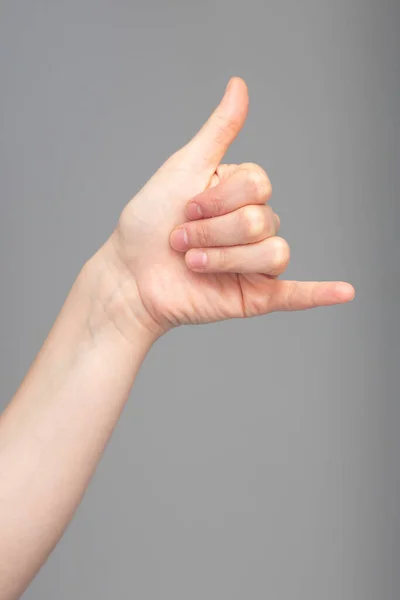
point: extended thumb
(207, 148)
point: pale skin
(197, 244)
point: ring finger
(270, 256)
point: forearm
(53, 432)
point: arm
(55, 429)
(197, 244)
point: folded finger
(246, 225)
(249, 184)
(270, 256)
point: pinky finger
(300, 295)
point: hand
(198, 243)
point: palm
(168, 289)
(185, 297)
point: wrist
(115, 305)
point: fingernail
(193, 210)
(196, 260)
(277, 221)
(179, 239)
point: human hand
(198, 243)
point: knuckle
(267, 189)
(281, 253)
(270, 222)
(254, 221)
(259, 181)
(276, 222)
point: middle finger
(246, 225)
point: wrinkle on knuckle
(222, 259)
(217, 204)
(313, 296)
(290, 295)
(202, 236)
(225, 127)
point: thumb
(207, 148)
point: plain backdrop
(259, 458)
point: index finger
(247, 185)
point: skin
(197, 244)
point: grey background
(255, 459)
